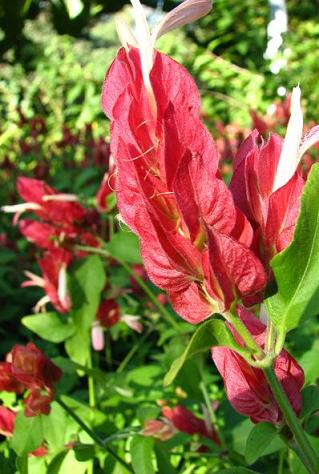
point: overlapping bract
(272, 213)
(195, 242)
(247, 388)
(27, 368)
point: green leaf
(141, 449)
(309, 363)
(28, 434)
(50, 326)
(258, 439)
(54, 427)
(212, 332)
(84, 452)
(310, 400)
(237, 470)
(124, 246)
(22, 464)
(90, 280)
(163, 462)
(296, 268)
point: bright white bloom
(144, 39)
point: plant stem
(133, 350)
(305, 450)
(211, 412)
(245, 335)
(92, 400)
(93, 435)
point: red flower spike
(247, 388)
(42, 234)
(184, 420)
(273, 212)
(161, 150)
(47, 203)
(54, 265)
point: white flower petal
(289, 157)
(187, 12)
(124, 33)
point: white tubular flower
(144, 40)
(290, 156)
(63, 292)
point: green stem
(245, 335)
(305, 450)
(133, 351)
(211, 412)
(93, 435)
(166, 315)
(270, 337)
(92, 399)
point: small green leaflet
(296, 269)
(212, 332)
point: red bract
(38, 402)
(32, 368)
(108, 313)
(184, 420)
(274, 213)
(42, 234)
(47, 203)
(54, 265)
(28, 368)
(7, 382)
(195, 243)
(247, 388)
(104, 191)
(7, 419)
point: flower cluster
(247, 388)
(109, 314)
(27, 368)
(208, 245)
(62, 223)
(180, 419)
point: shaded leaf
(212, 332)
(258, 440)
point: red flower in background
(247, 388)
(184, 420)
(8, 383)
(27, 368)
(54, 266)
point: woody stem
(305, 450)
